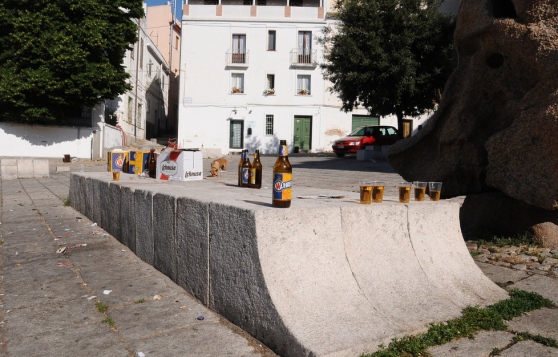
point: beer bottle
(246, 168)
(240, 168)
(256, 171)
(282, 178)
(152, 164)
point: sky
(162, 2)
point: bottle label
(282, 186)
(253, 176)
(245, 175)
(283, 150)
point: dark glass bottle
(256, 171)
(282, 178)
(152, 164)
(246, 168)
(240, 167)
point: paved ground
(53, 303)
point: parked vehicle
(363, 136)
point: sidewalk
(51, 301)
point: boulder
(496, 128)
(546, 235)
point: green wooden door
(303, 132)
(362, 120)
(236, 138)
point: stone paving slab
(94, 339)
(502, 276)
(543, 285)
(482, 345)
(529, 349)
(204, 338)
(542, 322)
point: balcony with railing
(259, 9)
(304, 58)
(237, 58)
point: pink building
(165, 31)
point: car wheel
(340, 154)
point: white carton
(180, 165)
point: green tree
(58, 56)
(390, 56)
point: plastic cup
(365, 192)
(435, 190)
(404, 192)
(116, 175)
(378, 191)
(420, 190)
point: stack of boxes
(118, 160)
(138, 161)
(179, 165)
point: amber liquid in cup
(420, 193)
(377, 194)
(116, 175)
(435, 195)
(404, 194)
(365, 194)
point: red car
(363, 136)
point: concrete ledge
(12, 169)
(8, 169)
(323, 278)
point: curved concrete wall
(323, 278)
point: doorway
(303, 132)
(236, 138)
(407, 127)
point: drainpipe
(170, 69)
(136, 89)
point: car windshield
(358, 131)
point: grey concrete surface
(47, 312)
(481, 346)
(14, 168)
(529, 349)
(541, 322)
(49, 299)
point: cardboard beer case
(180, 165)
(117, 160)
(138, 161)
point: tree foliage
(390, 56)
(58, 56)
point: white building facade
(142, 112)
(250, 77)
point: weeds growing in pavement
(518, 240)
(495, 352)
(474, 319)
(522, 336)
(66, 201)
(140, 301)
(101, 307)
(109, 321)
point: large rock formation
(497, 125)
